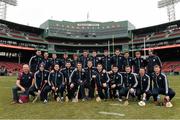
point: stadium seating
(32, 36)
(158, 35)
(140, 38)
(16, 34)
(12, 67)
(21, 35)
(171, 66)
(2, 33)
(175, 33)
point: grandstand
(18, 42)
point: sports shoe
(74, 100)
(66, 99)
(45, 101)
(83, 99)
(62, 98)
(14, 102)
(120, 100)
(58, 99)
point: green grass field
(84, 110)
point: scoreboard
(87, 29)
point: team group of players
(84, 77)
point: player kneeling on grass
(56, 84)
(161, 86)
(78, 81)
(102, 81)
(40, 81)
(143, 87)
(116, 83)
(23, 83)
(129, 84)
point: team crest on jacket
(144, 79)
(59, 75)
(154, 60)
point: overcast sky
(141, 13)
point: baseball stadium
(19, 44)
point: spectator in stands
(35, 61)
(3, 71)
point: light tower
(3, 7)
(170, 4)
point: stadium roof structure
(22, 27)
(156, 28)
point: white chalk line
(116, 104)
(112, 113)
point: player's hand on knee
(131, 90)
(56, 88)
(39, 92)
(71, 85)
(23, 89)
(104, 85)
(53, 88)
(113, 86)
(167, 98)
(93, 76)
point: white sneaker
(58, 99)
(74, 100)
(62, 98)
(45, 101)
(120, 100)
